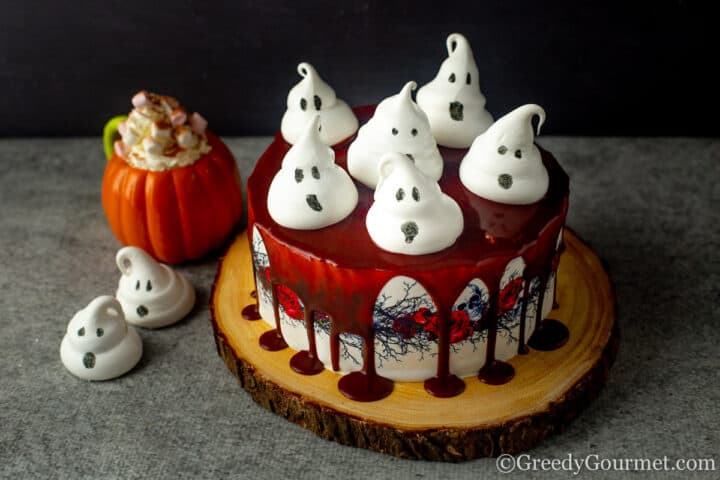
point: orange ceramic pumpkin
(177, 214)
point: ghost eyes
(317, 101)
(413, 132)
(148, 286)
(502, 150)
(300, 175)
(468, 78)
(99, 332)
(137, 285)
(400, 194)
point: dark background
(599, 68)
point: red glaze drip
(494, 372)
(340, 271)
(306, 361)
(251, 312)
(549, 335)
(522, 348)
(253, 294)
(273, 340)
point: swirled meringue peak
(398, 125)
(503, 164)
(312, 97)
(310, 191)
(410, 214)
(453, 101)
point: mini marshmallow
(152, 294)
(398, 125)
(310, 191)
(120, 149)
(410, 214)
(311, 97)
(185, 137)
(140, 99)
(503, 164)
(152, 147)
(98, 344)
(453, 101)
(161, 132)
(198, 123)
(178, 116)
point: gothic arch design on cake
(509, 309)
(468, 329)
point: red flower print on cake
(509, 294)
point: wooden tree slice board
(548, 391)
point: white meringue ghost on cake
(410, 214)
(152, 294)
(503, 164)
(398, 125)
(311, 97)
(310, 191)
(453, 101)
(98, 344)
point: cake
(437, 265)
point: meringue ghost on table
(311, 97)
(98, 344)
(310, 191)
(503, 164)
(398, 125)
(410, 214)
(152, 294)
(453, 101)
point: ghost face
(152, 295)
(309, 197)
(98, 344)
(452, 100)
(91, 334)
(411, 215)
(143, 280)
(311, 97)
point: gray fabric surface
(649, 207)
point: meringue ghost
(310, 191)
(398, 125)
(311, 97)
(98, 344)
(503, 164)
(453, 101)
(410, 214)
(152, 294)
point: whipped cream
(159, 135)
(312, 97)
(398, 125)
(503, 164)
(310, 191)
(410, 214)
(453, 101)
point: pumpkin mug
(175, 213)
